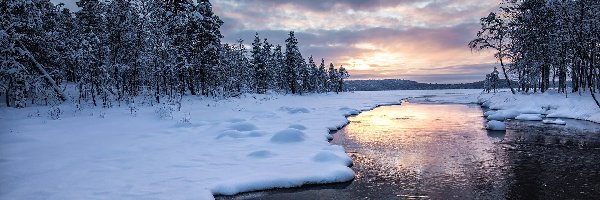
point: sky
(421, 40)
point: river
(442, 151)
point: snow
(502, 115)
(529, 117)
(495, 125)
(212, 147)
(207, 148)
(556, 121)
(294, 110)
(551, 104)
(288, 136)
(261, 154)
(297, 126)
(488, 113)
(243, 126)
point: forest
(541, 42)
(400, 84)
(153, 51)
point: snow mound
(502, 115)
(327, 156)
(488, 113)
(529, 117)
(243, 126)
(292, 110)
(289, 135)
(239, 134)
(261, 154)
(495, 125)
(256, 133)
(297, 126)
(557, 121)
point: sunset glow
(421, 40)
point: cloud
(373, 39)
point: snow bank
(502, 115)
(529, 117)
(224, 147)
(551, 104)
(556, 121)
(495, 125)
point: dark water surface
(429, 151)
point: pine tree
(342, 74)
(333, 78)
(310, 76)
(293, 62)
(279, 75)
(260, 69)
(210, 45)
(322, 77)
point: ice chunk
(289, 135)
(557, 121)
(495, 125)
(529, 117)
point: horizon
(420, 40)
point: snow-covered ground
(209, 147)
(535, 106)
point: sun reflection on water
(415, 143)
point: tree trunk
(506, 77)
(47, 76)
(8, 88)
(594, 97)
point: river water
(442, 151)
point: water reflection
(427, 151)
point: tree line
(541, 42)
(115, 52)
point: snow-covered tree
(493, 36)
(152, 51)
(260, 68)
(542, 40)
(31, 51)
(293, 62)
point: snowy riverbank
(209, 147)
(550, 104)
